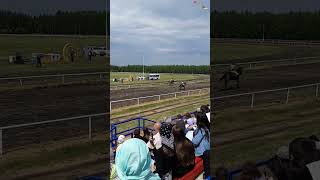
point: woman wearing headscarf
(133, 161)
(164, 157)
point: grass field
(164, 77)
(304, 114)
(232, 52)
(165, 107)
(51, 156)
(26, 45)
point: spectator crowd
(168, 151)
(299, 160)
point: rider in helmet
(233, 69)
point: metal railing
(138, 99)
(266, 41)
(288, 90)
(128, 132)
(62, 76)
(255, 63)
(2, 129)
(136, 85)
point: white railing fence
(287, 91)
(159, 97)
(89, 117)
(253, 64)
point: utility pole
(143, 66)
(263, 32)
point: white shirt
(314, 169)
(157, 142)
(208, 116)
(189, 135)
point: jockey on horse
(233, 70)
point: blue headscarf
(133, 161)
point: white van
(154, 76)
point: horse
(231, 76)
(182, 86)
(171, 82)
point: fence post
(175, 95)
(20, 82)
(250, 67)
(100, 76)
(317, 90)
(188, 93)
(288, 93)
(200, 91)
(143, 122)
(139, 118)
(138, 99)
(159, 97)
(90, 129)
(115, 136)
(62, 77)
(252, 100)
(110, 106)
(1, 144)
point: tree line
(288, 26)
(201, 69)
(62, 22)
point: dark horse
(182, 86)
(232, 76)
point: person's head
(203, 123)
(184, 149)
(166, 135)
(202, 120)
(188, 115)
(204, 109)
(179, 116)
(133, 161)
(314, 138)
(136, 133)
(222, 173)
(178, 133)
(121, 139)
(250, 170)
(146, 132)
(157, 127)
(181, 124)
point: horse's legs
(225, 83)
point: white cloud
(151, 26)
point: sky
(266, 5)
(36, 7)
(160, 32)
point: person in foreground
(201, 141)
(133, 161)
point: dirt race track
(67, 101)
(271, 78)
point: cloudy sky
(51, 6)
(164, 32)
(267, 5)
